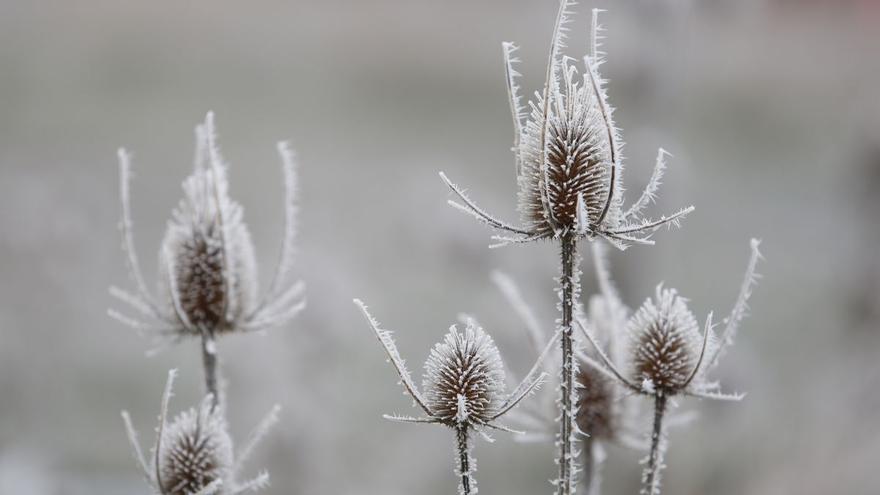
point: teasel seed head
(193, 454)
(464, 377)
(207, 267)
(196, 450)
(597, 411)
(666, 343)
(567, 151)
(210, 277)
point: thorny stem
(652, 475)
(467, 485)
(568, 395)
(209, 362)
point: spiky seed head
(196, 450)
(666, 343)
(208, 248)
(595, 414)
(464, 377)
(575, 183)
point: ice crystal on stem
(207, 269)
(193, 454)
(669, 357)
(463, 388)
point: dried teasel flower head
(464, 377)
(597, 408)
(668, 355)
(208, 272)
(666, 343)
(193, 454)
(207, 255)
(568, 155)
(196, 450)
(464, 384)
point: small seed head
(666, 343)
(195, 451)
(464, 377)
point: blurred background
(770, 108)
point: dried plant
(208, 272)
(568, 167)
(463, 388)
(193, 455)
(668, 357)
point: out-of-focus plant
(207, 268)
(193, 455)
(207, 287)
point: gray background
(771, 111)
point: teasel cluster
(207, 287)
(668, 357)
(569, 167)
(464, 388)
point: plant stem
(655, 461)
(568, 394)
(209, 362)
(467, 485)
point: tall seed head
(464, 378)
(666, 343)
(576, 172)
(208, 250)
(196, 450)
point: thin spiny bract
(207, 268)
(463, 388)
(668, 357)
(568, 167)
(193, 454)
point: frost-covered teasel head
(567, 151)
(464, 378)
(207, 269)
(193, 453)
(464, 383)
(668, 354)
(666, 343)
(463, 387)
